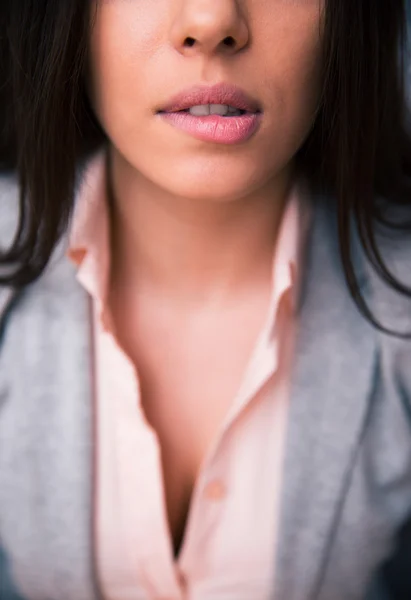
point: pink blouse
(229, 546)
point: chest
(189, 380)
(345, 501)
(190, 366)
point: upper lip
(221, 93)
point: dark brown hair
(359, 148)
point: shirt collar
(89, 247)
(89, 242)
(288, 253)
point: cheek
(118, 53)
(305, 70)
(293, 75)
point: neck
(192, 250)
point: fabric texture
(346, 490)
(234, 498)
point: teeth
(204, 110)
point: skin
(194, 224)
(208, 204)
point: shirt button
(215, 490)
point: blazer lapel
(331, 383)
(46, 472)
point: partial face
(144, 52)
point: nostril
(228, 41)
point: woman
(205, 370)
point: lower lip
(214, 128)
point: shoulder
(389, 304)
(59, 274)
(390, 308)
(9, 208)
(52, 292)
(9, 217)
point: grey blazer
(347, 470)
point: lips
(221, 93)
